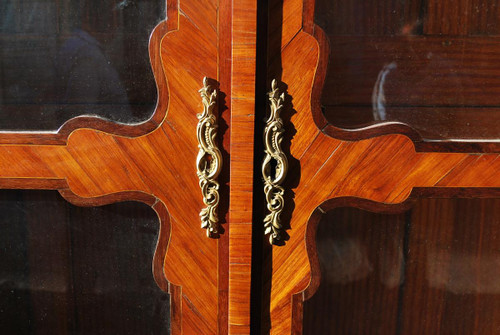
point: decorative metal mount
(209, 160)
(273, 135)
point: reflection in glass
(73, 270)
(431, 270)
(429, 64)
(64, 58)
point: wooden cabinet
(390, 131)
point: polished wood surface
(429, 270)
(383, 169)
(244, 41)
(93, 162)
(225, 65)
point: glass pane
(73, 270)
(432, 270)
(64, 58)
(430, 64)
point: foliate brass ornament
(273, 136)
(209, 160)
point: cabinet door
(392, 105)
(60, 59)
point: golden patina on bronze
(273, 178)
(209, 160)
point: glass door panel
(64, 58)
(431, 270)
(429, 64)
(73, 270)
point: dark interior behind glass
(64, 58)
(74, 270)
(434, 269)
(430, 64)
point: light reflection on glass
(61, 59)
(431, 270)
(429, 65)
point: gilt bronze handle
(209, 160)
(273, 178)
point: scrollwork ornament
(273, 136)
(209, 160)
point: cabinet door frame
(376, 167)
(93, 162)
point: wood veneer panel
(152, 162)
(448, 17)
(358, 17)
(433, 17)
(225, 107)
(456, 241)
(354, 165)
(485, 18)
(244, 48)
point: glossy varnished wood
(378, 167)
(92, 162)
(244, 43)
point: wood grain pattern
(93, 162)
(462, 247)
(383, 169)
(359, 17)
(466, 123)
(225, 65)
(244, 43)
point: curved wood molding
(95, 162)
(356, 164)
